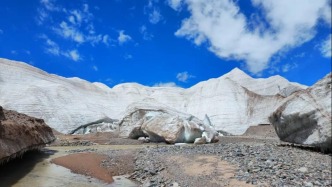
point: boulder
(163, 124)
(305, 116)
(201, 140)
(144, 139)
(20, 133)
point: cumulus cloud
(165, 84)
(325, 47)
(229, 34)
(123, 38)
(184, 76)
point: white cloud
(153, 12)
(73, 54)
(94, 39)
(42, 16)
(86, 8)
(144, 32)
(77, 16)
(106, 39)
(175, 4)
(72, 19)
(123, 38)
(69, 32)
(325, 47)
(184, 76)
(287, 67)
(165, 84)
(51, 47)
(77, 27)
(49, 5)
(230, 35)
(54, 49)
(155, 16)
(326, 13)
(95, 68)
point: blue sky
(171, 42)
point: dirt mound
(261, 131)
(20, 133)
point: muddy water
(35, 170)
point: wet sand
(89, 164)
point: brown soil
(203, 165)
(262, 131)
(89, 164)
(102, 138)
(20, 133)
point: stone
(201, 140)
(144, 140)
(303, 169)
(308, 184)
(175, 184)
(180, 144)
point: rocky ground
(254, 159)
(258, 164)
(234, 161)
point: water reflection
(35, 170)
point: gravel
(259, 164)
